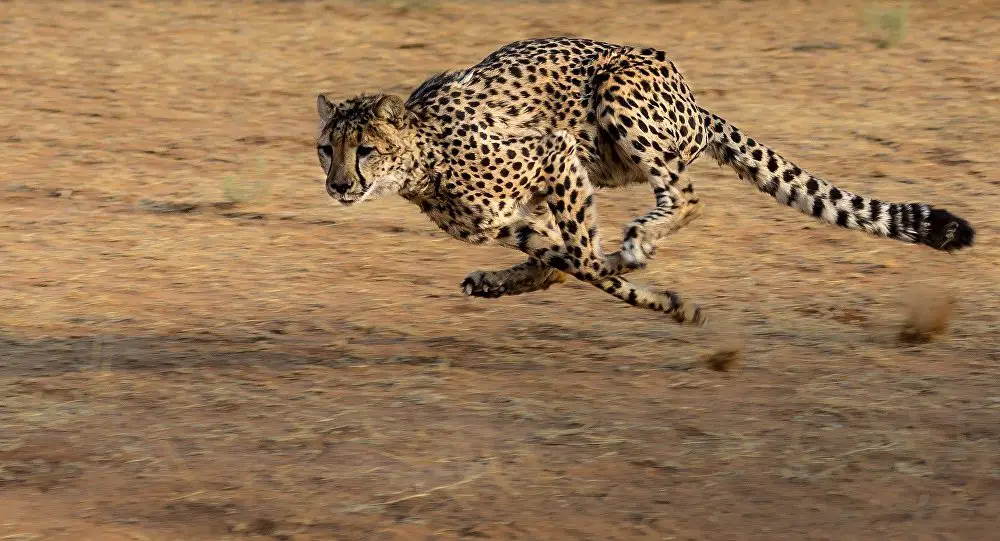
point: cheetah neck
(417, 169)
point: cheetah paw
(693, 315)
(483, 284)
(686, 312)
(636, 254)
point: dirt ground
(196, 343)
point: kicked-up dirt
(196, 343)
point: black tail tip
(947, 232)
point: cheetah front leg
(566, 237)
(532, 275)
(531, 235)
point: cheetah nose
(335, 186)
(339, 188)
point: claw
(476, 285)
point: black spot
(772, 164)
(818, 207)
(728, 155)
(812, 186)
(835, 194)
(523, 234)
(559, 263)
(842, 218)
(632, 298)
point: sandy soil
(196, 343)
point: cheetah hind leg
(677, 205)
(525, 277)
(666, 301)
(642, 235)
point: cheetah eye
(327, 150)
(364, 151)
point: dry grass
(195, 344)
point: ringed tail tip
(947, 232)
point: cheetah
(510, 151)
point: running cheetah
(509, 151)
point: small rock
(262, 526)
(724, 359)
(166, 207)
(806, 47)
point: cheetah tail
(772, 174)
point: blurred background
(197, 343)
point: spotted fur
(509, 152)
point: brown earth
(198, 344)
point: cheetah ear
(324, 107)
(391, 108)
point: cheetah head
(363, 146)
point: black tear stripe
(357, 167)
